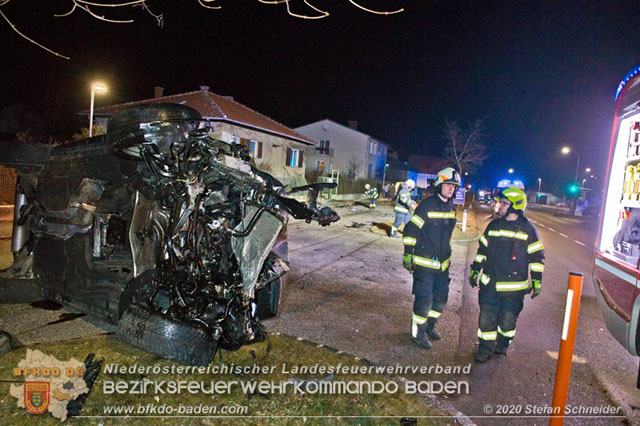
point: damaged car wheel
(124, 130)
(155, 333)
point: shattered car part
(162, 226)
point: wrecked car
(163, 226)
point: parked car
(162, 226)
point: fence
(8, 180)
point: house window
(294, 157)
(323, 148)
(319, 165)
(372, 148)
(254, 148)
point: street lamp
(583, 181)
(510, 170)
(539, 183)
(94, 87)
(587, 170)
(566, 150)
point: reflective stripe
(512, 286)
(536, 267)
(507, 333)
(401, 209)
(417, 220)
(480, 258)
(484, 241)
(487, 335)
(484, 279)
(508, 234)
(418, 319)
(408, 241)
(441, 215)
(427, 263)
(431, 263)
(434, 314)
(445, 265)
(535, 247)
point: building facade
(356, 154)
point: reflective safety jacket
(403, 204)
(428, 235)
(507, 252)
(370, 193)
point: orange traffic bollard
(565, 354)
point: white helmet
(410, 184)
(367, 186)
(448, 175)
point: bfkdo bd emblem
(36, 397)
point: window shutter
(259, 149)
(300, 158)
(288, 162)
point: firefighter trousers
(497, 321)
(400, 219)
(431, 295)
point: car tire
(123, 128)
(178, 341)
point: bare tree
(95, 10)
(465, 148)
(354, 165)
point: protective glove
(473, 278)
(536, 288)
(407, 262)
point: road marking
(578, 242)
(563, 235)
(576, 358)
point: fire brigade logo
(36, 397)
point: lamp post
(94, 87)
(384, 175)
(566, 150)
(539, 183)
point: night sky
(542, 74)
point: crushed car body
(162, 226)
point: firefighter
(372, 194)
(509, 250)
(403, 206)
(427, 252)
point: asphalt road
(603, 373)
(348, 290)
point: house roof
(218, 108)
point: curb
(456, 414)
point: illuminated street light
(510, 170)
(587, 170)
(94, 87)
(539, 183)
(566, 150)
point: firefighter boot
(420, 338)
(431, 331)
(482, 357)
(501, 350)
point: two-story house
(275, 148)
(356, 154)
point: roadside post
(464, 220)
(567, 343)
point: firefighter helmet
(367, 187)
(516, 196)
(448, 175)
(410, 183)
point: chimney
(205, 89)
(158, 92)
(353, 124)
